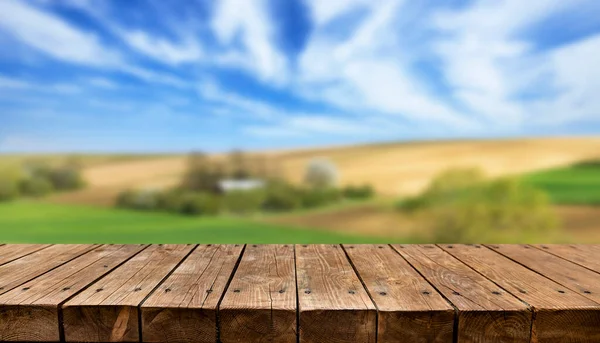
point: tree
(239, 165)
(202, 174)
(9, 183)
(462, 207)
(321, 173)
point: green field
(578, 184)
(38, 222)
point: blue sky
(91, 76)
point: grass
(37, 222)
(577, 184)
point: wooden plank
(571, 276)
(12, 252)
(486, 312)
(26, 268)
(36, 303)
(260, 303)
(586, 255)
(107, 311)
(409, 309)
(184, 307)
(333, 304)
(557, 315)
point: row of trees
(37, 180)
(199, 191)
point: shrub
(281, 197)
(66, 178)
(444, 187)
(9, 183)
(462, 208)
(244, 201)
(199, 204)
(312, 198)
(321, 173)
(36, 186)
(454, 180)
(125, 199)
(170, 201)
(358, 192)
(138, 200)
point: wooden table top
(300, 293)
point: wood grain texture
(409, 309)
(260, 303)
(571, 276)
(486, 312)
(28, 267)
(586, 255)
(36, 303)
(12, 252)
(559, 317)
(184, 307)
(107, 311)
(333, 304)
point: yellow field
(393, 169)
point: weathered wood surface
(35, 304)
(302, 293)
(184, 307)
(332, 303)
(12, 252)
(573, 277)
(555, 312)
(410, 310)
(260, 303)
(107, 311)
(486, 312)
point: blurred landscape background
(446, 191)
(301, 121)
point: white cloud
(211, 91)
(250, 21)
(324, 11)
(367, 72)
(54, 37)
(14, 84)
(162, 49)
(102, 82)
(487, 67)
(10, 83)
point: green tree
(9, 183)
(202, 175)
(461, 207)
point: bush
(358, 192)
(36, 186)
(321, 174)
(312, 198)
(138, 200)
(281, 197)
(170, 201)
(200, 204)
(242, 202)
(66, 178)
(464, 209)
(9, 184)
(444, 187)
